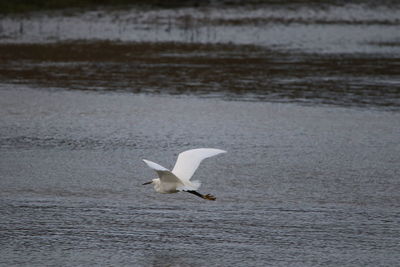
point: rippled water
(310, 120)
(298, 186)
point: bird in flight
(179, 178)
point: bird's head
(156, 182)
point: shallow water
(311, 177)
(299, 185)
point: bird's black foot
(208, 196)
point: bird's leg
(208, 196)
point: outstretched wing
(165, 175)
(188, 161)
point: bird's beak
(147, 183)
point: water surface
(304, 97)
(299, 185)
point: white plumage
(179, 178)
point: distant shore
(26, 6)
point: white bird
(179, 178)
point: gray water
(311, 177)
(299, 185)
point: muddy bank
(23, 6)
(217, 70)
